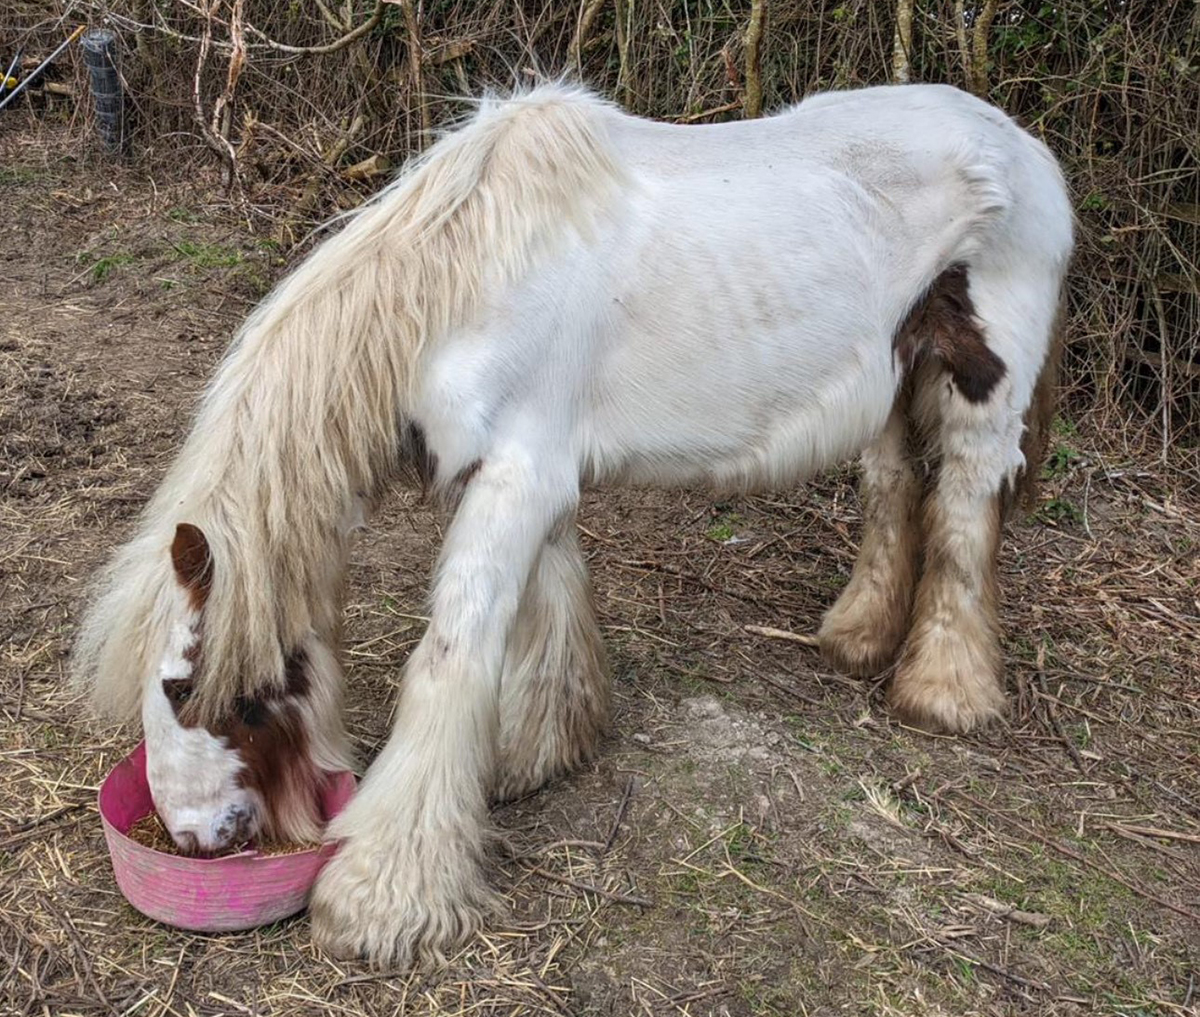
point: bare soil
(758, 835)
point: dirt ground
(758, 835)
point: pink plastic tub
(239, 891)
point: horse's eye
(252, 711)
(178, 690)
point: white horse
(560, 295)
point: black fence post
(100, 56)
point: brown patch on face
(943, 325)
(193, 563)
(268, 733)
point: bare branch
(623, 29)
(960, 33)
(754, 34)
(587, 14)
(979, 57)
(412, 22)
(332, 47)
(223, 107)
(902, 43)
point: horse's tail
(1039, 417)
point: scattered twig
(554, 845)
(792, 693)
(1151, 831)
(618, 898)
(995, 969)
(791, 637)
(1116, 877)
(21, 832)
(618, 819)
(1010, 913)
(81, 951)
(1052, 713)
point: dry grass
(758, 837)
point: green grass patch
(103, 266)
(208, 255)
(14, 176)
(724, 527)
(1061, 510)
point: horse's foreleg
(407, 883)
(554, 696)
(862, 632)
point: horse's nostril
(242, 824)
(188, 842)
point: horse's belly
(753, 414)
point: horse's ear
(193, 562)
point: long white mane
(306, 414)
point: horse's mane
(307, 411)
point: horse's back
(911, 147)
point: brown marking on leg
(950, 676)
(862, 632)
(943, 325)
(452, 494)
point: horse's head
(256, 769)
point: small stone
(641, 739)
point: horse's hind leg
(990, 338)
(554, 694)
(862, 632)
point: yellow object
(8, 83)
